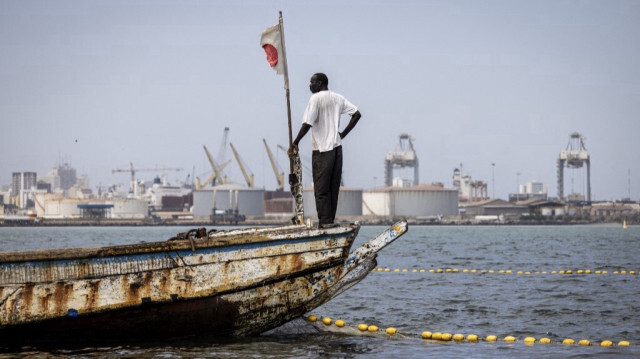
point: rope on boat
(295, 182)
(363, 329)
(191, 235)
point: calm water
(558, 306)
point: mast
(295, 175)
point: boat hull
(236, 283)
(246, 312)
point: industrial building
(349, 202)
(248, 201)
(54, 206)
(415, 201)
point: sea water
(494, 280)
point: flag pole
(286, 83)
(295, 174)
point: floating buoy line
(340, 326)
(505, 271)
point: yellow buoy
(391, 331)
(363, 327)
(436, 336)
(465, 271)
(312, 318)
(545, 341)
(458, 337)
(414, 271)
(472, 338)
(372, 328)
(439, 270)
(568, 341)
(380, 269)
(606, 343)
(405, 270)
(569, 271)
(474, 271)
(387, 270)
(509, 271)
(446, 336)
(509, 339)
(623, 343)
(456, 270)
(584, 342)
(491, 338)
(426, 335)
(448, 270)
(326, 321)
(340, 323)
(529, 340)
(422, 271)
(396, 270)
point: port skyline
(476, 84)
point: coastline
(365, 221)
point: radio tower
(574, 157)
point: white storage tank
(349, 202)
(61, 208)
(248, 201)
(414, 201)
(129, 208)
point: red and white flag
(272, 43)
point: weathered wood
(232, 283)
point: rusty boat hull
(238, 282)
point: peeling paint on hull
(239, 282)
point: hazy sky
(104, 83)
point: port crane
(133, 171)
(249, 178)
(279, 174)
(404, 156)
(217, 171)
(575, 156)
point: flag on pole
(271, 42)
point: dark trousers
(327, 172)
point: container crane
(248, 178)
(133, 171)
(279, 175)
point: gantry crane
(247, 177)
(404, 156)
(133, 171)
(279, 175)
(574, 157)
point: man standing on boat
(323, 116)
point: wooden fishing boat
(237, 282)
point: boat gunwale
(215, 239)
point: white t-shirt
(323, 114)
